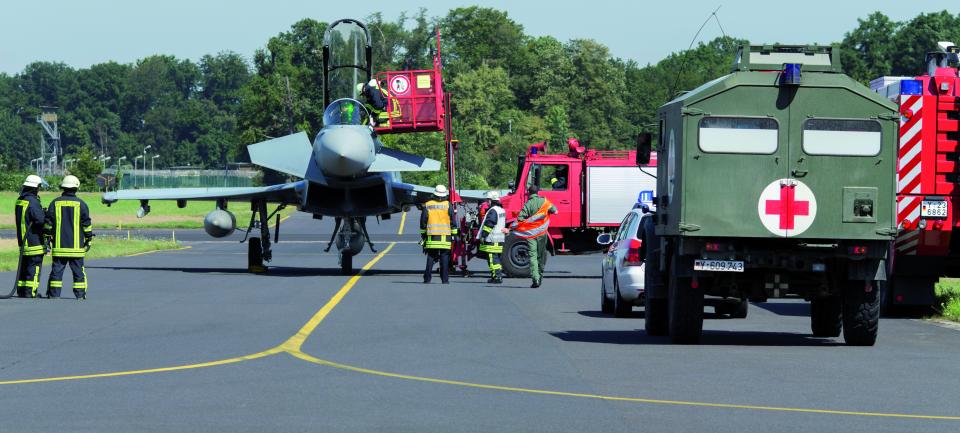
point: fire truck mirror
(644, 147)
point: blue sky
(84, 32)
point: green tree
(86, 168)
(919, 36)
(867, 51)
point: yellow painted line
(157, 251)
(291, 345)
(265, 353)
(309, 358)
(294, 343)
(403, 219)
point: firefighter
(491, 236)
(376, 101)
(68, 226)
(532, 224)
(436, 230)
(29, 218)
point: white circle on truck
(787, 207)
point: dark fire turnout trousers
(433, 256)
(29, 279)
(56, 277)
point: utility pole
(152, 168)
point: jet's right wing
(394, 160)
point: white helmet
(493, 195)
(373, 83)
(33, 181)
(70, 181)
(441, 191)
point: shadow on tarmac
(795, 309)
(709, 338)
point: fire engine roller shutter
(612, 192)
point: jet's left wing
(282, 193)
(408, 193)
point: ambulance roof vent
(813, 58)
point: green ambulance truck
(776, 180)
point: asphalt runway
(187, 341)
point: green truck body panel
(741, 155)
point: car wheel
(620, 308)
(606, 304)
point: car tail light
(633, 254)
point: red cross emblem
(787, 207)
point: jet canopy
(347, 56)
(346, 112)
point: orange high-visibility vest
(537, 224)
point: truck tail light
(633, 254)
(713, 246)
(858, 250)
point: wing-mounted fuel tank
(220, 223)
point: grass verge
(948, 298)
(123, 214)
(103, 247)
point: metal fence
(143, 179)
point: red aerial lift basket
(415, 99)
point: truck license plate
(933, 209)
(718, 265)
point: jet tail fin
(290, 154)
(395, 160)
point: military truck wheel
(516, 257)
(346, 264)
(606, 305)
(861, 313)
(656, 318)
(620, 308)
(686, 308)
(739, 310)
(825, 317)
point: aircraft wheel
(346, 264)
(255, 256)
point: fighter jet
(346, 173)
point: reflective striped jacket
(436, 231)
(534, 218)
(68, 225)
(29, 218)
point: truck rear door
(728, 161)
(843, 175)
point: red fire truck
(928, 181)
(592, 190)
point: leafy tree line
(509, 89)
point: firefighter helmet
(441, 191)
(33, 181)
(493, 195)
(70, 181)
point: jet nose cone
(345, 151)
